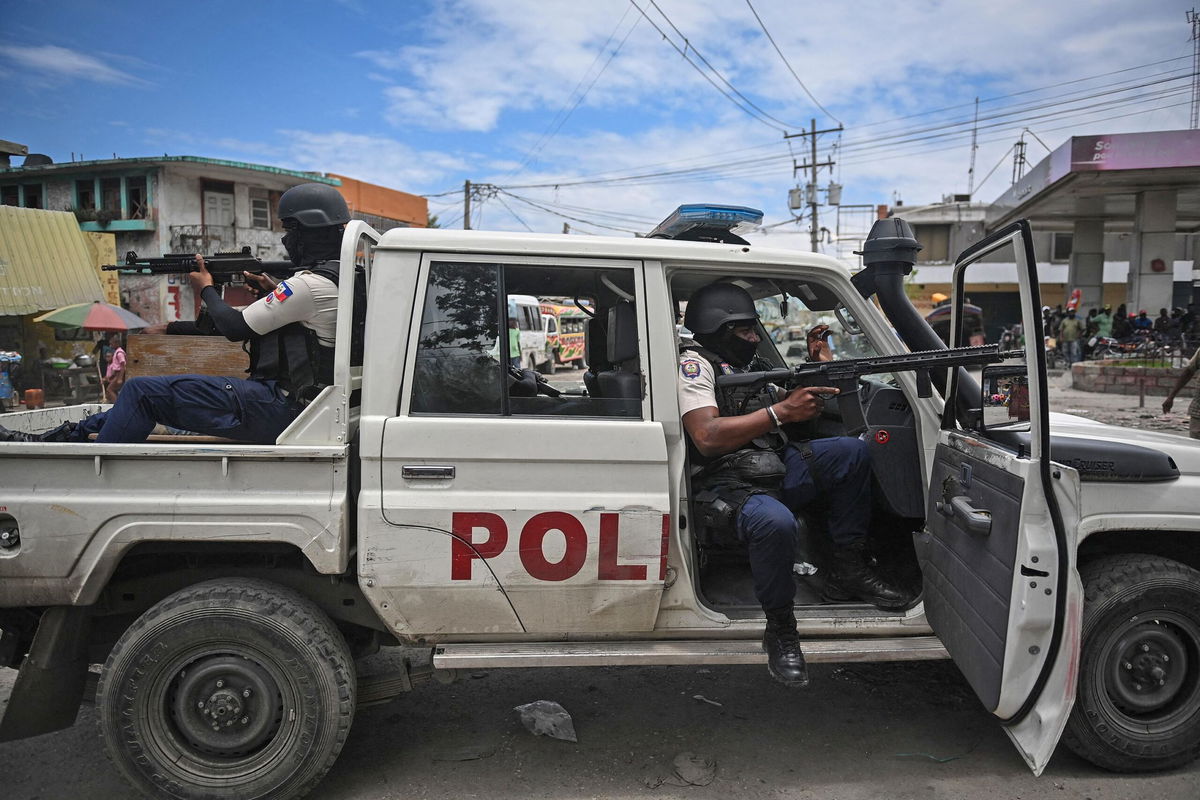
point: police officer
(290, 331)
(751, 474)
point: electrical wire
(515, 214)
(749, 108)
(1018, 94)
(540, 207)
(787, 64)
(557, 123)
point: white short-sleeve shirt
(697, 383)
(306, 297)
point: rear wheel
(1137, 707)
(229, 688)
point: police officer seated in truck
(751, 479)
(290, 331)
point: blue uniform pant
(768, 526)
(246, 410)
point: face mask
(736, 349)
(291, 243)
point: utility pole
(1019, 159)
(466, 205)
(974, 147)
(1194, 19)
(811, 189)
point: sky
(600, 114)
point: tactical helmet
(314, 205)
(715, 305)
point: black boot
(59, 434)
(781, 640)
(852, 577)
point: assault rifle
(844, 374)
(225, 267)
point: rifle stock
(844, 374)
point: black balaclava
(308, 246)
(728, 345)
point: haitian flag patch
(282, 291)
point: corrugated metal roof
(44, 262)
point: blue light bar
(734, 219)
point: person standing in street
(1104, 322)
(1069, 332)
(1189, 372)
(114, 375)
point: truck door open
(997, 551)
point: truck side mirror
(1005, 400)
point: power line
(1018, 94)
(515, 214)
(540, 207)
(748, 108)
(556, 124)
(787, 64)
(1037, 106)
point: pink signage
(1154, 150)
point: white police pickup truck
(431, 499)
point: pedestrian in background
(1189, 371)
(1069, 332)
(114, 374)
(1104, 322)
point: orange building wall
(368, 198)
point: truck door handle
(426, 472)
(973, 519)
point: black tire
(260, 662)
(1137, 707)
(551, 364)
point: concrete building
(186, 204)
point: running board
(660, 653)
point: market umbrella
(96, 316)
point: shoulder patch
(282, 291)
(726, 368)
(690, 369)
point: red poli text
(467, 545)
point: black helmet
(314, 205)
(715, 305)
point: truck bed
(81, 506)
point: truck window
(471, 360)
(457, 369)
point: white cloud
(376, 159)
(60, 63)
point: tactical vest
(293, 356)
(734, 401)
(723, 484)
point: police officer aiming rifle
(290, 331)
(750, 478)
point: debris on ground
(704, 699)
(547, 718)
(694, 770)
(468, 753)
(687, 769)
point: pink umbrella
(95, 316)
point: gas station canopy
(1100, 177)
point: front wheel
(1137, 707)
(229, 688)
